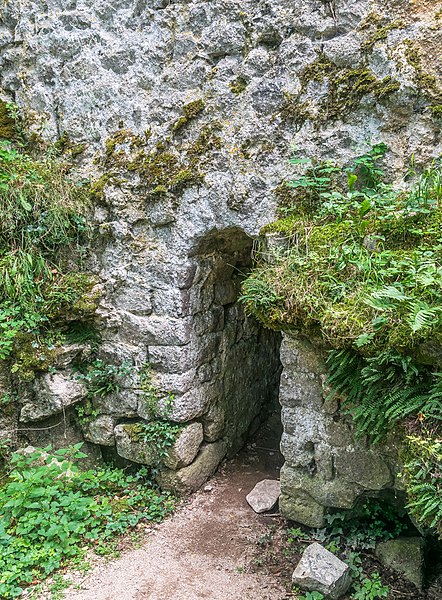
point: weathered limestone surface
(54, 392)
(264, 495)
(321, 571)
(404, 555)
(174, 241)
(186, 447)
(191, 478)
(325, 466)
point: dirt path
(203, 551)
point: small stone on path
(321, 571)
(264, 495)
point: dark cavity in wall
(238, 360)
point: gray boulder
(186, 447)
(192, 477)
(54, 393)
(100, 430)
(404, 555)
(321, 571)
(132, 446)
(264, 495)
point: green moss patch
(351, 267)
(167, 167)
(43, 235)
(344, 92)
(8, 127)
(238, 86)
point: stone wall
(325, 466)
(188, 110)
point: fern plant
(383, 390)
(423, 480)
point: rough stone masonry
(189, 110)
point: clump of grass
(364, 259)
(43, 236)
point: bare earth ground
(204, 550)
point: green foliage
(161, 435)
(43, 232)
(49, 511)
(101, 378)
(363, 262)
(383, 390)
(156, 402)
(86, 412)
(371, 588)
(312, 596)
(423, 480)
(360, 529)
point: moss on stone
(166, 167)
(97, 187)
(286, 195)
(238, 85)
(206, 142)
(8, 126)
(380, 34)
(295, 110)
(191, 111)
(285, 226)
(318, 70)
(65, 145)
(31, 356)
(345, 89)
(436, 110)
(425, 82)
(194, 108)
(180, 123)
(134, 431)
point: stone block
(54, 392)
(264, 495)
(301, 507)
(306, 424)
(100, 430)
(321, 571)
(185, 447)
(123, 404)
(185, 407)
(300, 389)
(192, 477)
(366, 468)
(130, 444)
(171, 359)
(303, 492)
(405, 556)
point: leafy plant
(156, 402)
(361, 529)
(86, 412)
(43, 237)
(49, 511)
(102, 378)
(312, 596)
(161, 435)
(384, 389)
(423, 479)
(371, 588)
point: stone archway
(238, 358)
(234, 361)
